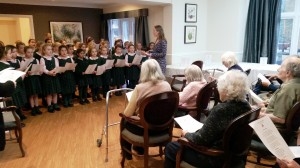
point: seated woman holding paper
(287, 95)
(232, 87)
(195, 81)
(152, 81)
(229, 60)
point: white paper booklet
(60, 69)
(10, 75)
(109, 63)
(263, 78)
(120, 63)
(269, 135)
(255, 98)
(100, 70)
(295, 150)
(36, 69)
(137, 60)
(24, 65)
(70, 66)
(188, 123)
(90, 69)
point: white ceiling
(88, 3)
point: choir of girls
(49, 85)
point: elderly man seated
(287, 95)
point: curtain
(142, 30)
(262, 29)
(121, 15)
(104, 29)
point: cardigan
(188, 96)
(221, 115)
(142, 91)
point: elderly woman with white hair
(232, 87)
(195, 81)
(152, 81)
(229, 60)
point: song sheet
(90, 69)
(70, 66)
(255, 97)
(100, 70)
(109, 64)
(263, 79)
(188, 123)
(137, 60)
(295, 150)
(60, 69)
(120, 63)
(269, 135)
(36, 69)
(24, 65)
(10, 75)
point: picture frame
(190, 34)
(68, 31)
(190, 13)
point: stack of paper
(188, 123)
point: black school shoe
(33, 111)
(82, 102)
(87, 101)
(56, 107)
(38, 111)
(50, 109)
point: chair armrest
(179, 75)
(183, 108)
(132, 119)
(10, 108)
(4, 99)
(201, 149)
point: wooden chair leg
(16, 134)
(123, 161)
(160, 151)
(19, 139)
(146, 156)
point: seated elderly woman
(232, 87)
(229, 60)
(152, 81)
(195, 81)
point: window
(121, 29)
(289, 31)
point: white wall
(180, 53)
(226, 27)
(220, 27)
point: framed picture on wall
(190, 13)
(190, 34)
(68, 31)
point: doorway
(16, 27)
